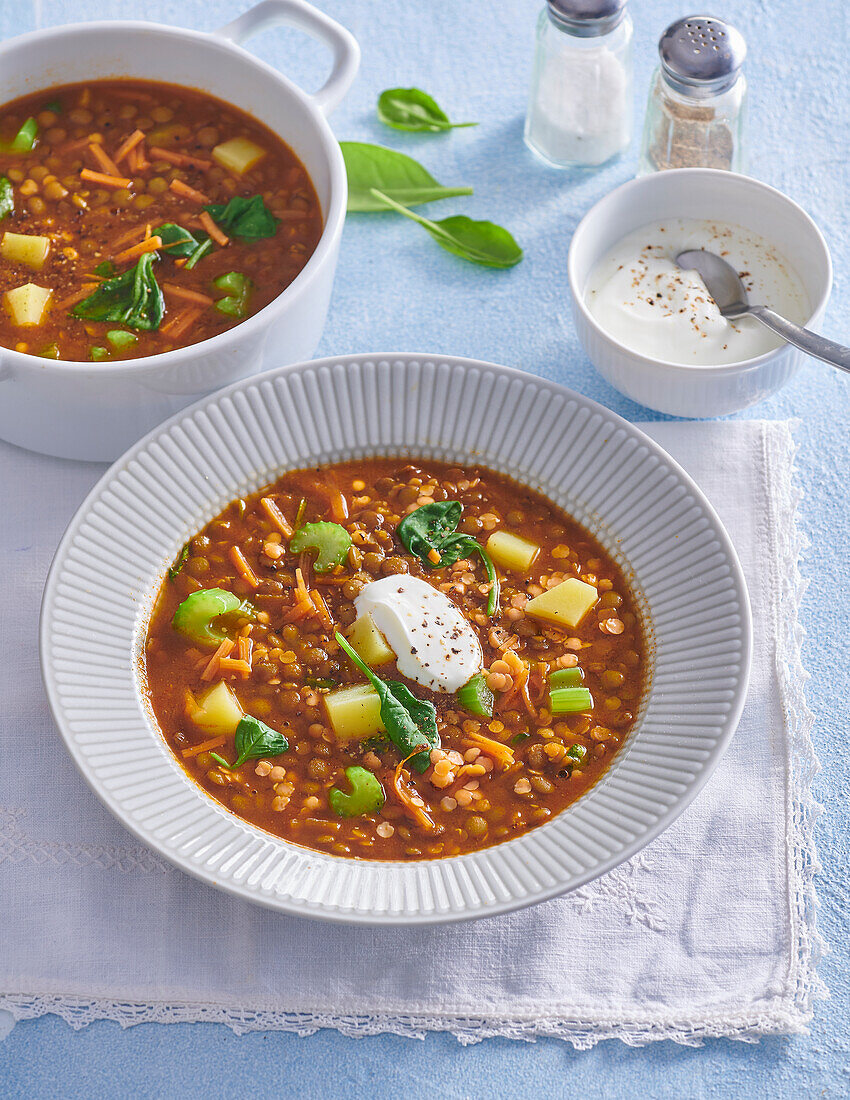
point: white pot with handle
(95, 410)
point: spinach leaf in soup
(249, 219)
(425, 528)
(132, 298)
(181, 243)
(371, 167)
(430, 534)
(414, 111)
(254, 739)
(479, 242)
(411, 723)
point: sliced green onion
(366, 797)
(238, 287)
(24, 139)
(331, 542)
(120, 339)
(566, 678)
(195, 616)
(97, 354)
(476, 697)
(570, 700)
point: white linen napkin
(708, 932)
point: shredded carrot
(148, 231)
(234, 664)
(322, 608)
(276, 516)
(81, 143)
(405, 796)
(224, 650)
(133, 159)
(220, 238)
(502, 754)
(149, 245)
(142, 161)
(526, 699)
(107, 181)
(130, 235)
(104, 159)
(244, 648)
(188, 295)
(178, 325)
(241, 563)
(303, 604)
(205, 746)
(300, 611)
(78, 295)
(187, 192)
(517, 688)
(159, 153)
(129, 143)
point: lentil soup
(395, 661)
(137, 217)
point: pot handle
(300, 14)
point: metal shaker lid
(701, 56)
(587, 18)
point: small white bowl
(688, 390)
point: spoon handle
(809, 342)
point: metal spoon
(724, 285)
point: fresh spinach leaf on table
(414, 111)
(411, 723)
(430, 534)
(132, 298)
(371, 167)
(477, 241)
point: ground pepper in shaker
(697, 99)
(580, 110)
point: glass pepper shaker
(697, 99)
(580, 110)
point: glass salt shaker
(695, 116)
(580, 110)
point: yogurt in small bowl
(653, 330)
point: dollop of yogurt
(433, 642)
(642, 299)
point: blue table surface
(396, 291)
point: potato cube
(566, 604)
(238, 155)
(354, 712)
(217, 711)
(25, 248)
(369, 643)
(27, 304)
(512, 552)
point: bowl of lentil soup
(158, 239)
(398, 683)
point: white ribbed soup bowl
(606, 473)
(687, 389)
